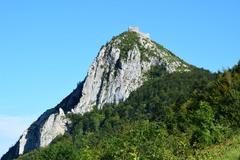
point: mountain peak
(133, 39)
(119, 69)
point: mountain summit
(119, 69)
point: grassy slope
(228, 150)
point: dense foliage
(172, 116)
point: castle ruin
(136, 29)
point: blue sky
(47, 46)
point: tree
(203, 119)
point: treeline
(172, 116)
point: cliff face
(119, 69)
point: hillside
(194, 115)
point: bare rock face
(119, 69)
(43, 131)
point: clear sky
(46, 46)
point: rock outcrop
(119, 69)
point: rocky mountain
(119, 69)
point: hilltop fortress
(136, 29)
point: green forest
(172, 116)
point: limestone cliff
(119, 69)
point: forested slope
(184, 115)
